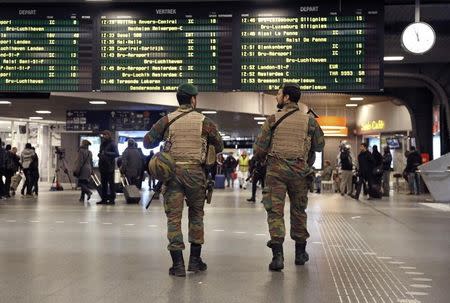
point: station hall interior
(71, 70)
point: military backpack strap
(175, 119)
(272, 129)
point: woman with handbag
(83, 169)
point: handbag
(76, 173)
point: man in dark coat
(412, 162)
(132, 164)
(107, 164)
(12, 166)
(387, 160)
(365, 170)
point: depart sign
(220, 47)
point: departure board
(45, 54)
(331, 46)
(320, 48)
(159, 51)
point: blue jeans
(413, 181)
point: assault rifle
(155, 191)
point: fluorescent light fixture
(394, 58)
(5, 102)
(331, 132)
(98, 0)
(226, 138)
(98, 102)
(334, 135)
(351, 105)
(36, 118)
(356, 98)
(328, 127)
(43, 112)
(259, 118)
(212, 112)
(260, 122)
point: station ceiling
(398, 13)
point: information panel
(43, 53)
(153, 47)
(321, 48)
(159, 51)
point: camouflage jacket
(209, 131)
(261, 148)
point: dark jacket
(12, 163)
(377, 158)
(413, 161)
(3, 159)
(366, 164)
(84, 163)
(107, 156)
(132, 162)
(387, 160)
(230, 164)
(346, 160)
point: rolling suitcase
(15, 181)
(131, 192)
(97, 184)
(219, 181)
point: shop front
(386, 124)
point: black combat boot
(277, 263)
(301, 256)
(195, 261)
(177, 268)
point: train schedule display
(42, 52)
(220, 47)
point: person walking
(229, 167)
(26, 158)
(3, 159)
(412, 163)
(365, 171)
(258, 174)
(244, 165)
(288, 140)
(107, 164)
(83, 169)
(34, 171)
(132, 164)
(387, 160)
(377, 173)
(346, 165)
(12, 167)
(187, 134)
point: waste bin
(436, 175)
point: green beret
(187, 88)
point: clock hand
(417, 35)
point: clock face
(418, 37)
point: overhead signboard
(82, 120)
(217, 46)
(45, 50)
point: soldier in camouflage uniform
(187, 140)
(290, 150)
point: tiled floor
(55, 249)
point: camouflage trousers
(282, 178)
(189, 184)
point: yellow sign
(373, 125)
